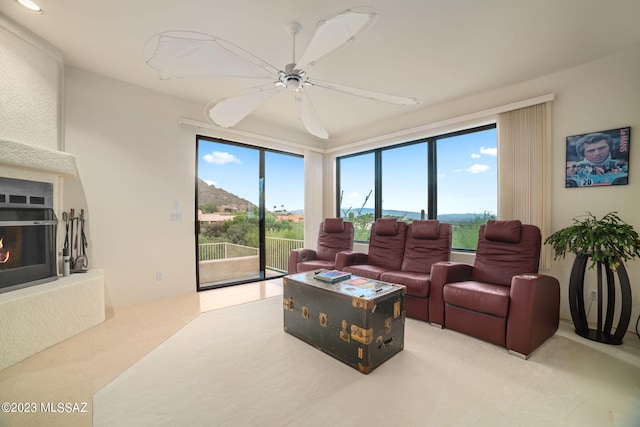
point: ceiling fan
(183, 54)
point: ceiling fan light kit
(184, 54)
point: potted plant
(608, 242)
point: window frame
(432, 172)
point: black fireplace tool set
(74, 251)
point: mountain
(219, 197)
(450, 218)
(211, 194)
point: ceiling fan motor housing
(292, 78)
(293, 82)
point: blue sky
(467, 175)
(235, 169)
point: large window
(452, 178)
(357, 194)
(250, 212)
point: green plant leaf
(608, 240)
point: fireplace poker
(65, 217)
(71, 220)
(66, 259)
(80, 262)
(75, 244)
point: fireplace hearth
(27, 234)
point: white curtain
(524, 169)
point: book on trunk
(332, 276)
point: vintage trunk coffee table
(358, 321)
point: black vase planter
(576, 302)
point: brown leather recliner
(427, 242)
(386, 249)
(335, 235)
(501, 298)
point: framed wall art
(598, 158)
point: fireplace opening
(27, 234)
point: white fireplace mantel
(27, 156)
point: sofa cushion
(315, 264)
(497, 262)
(334, 225)
(417, 284)
(366, 270)
(330, 243)
(421, 253)
(387, 250)
(386, 226)
(503, 231)
(425, 229)
(481, 297)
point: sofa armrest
(534, 312)
(442, 273)
(299, 255)
(347, 258)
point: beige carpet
(236, 367)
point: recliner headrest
(387, 226)
(334, 225)
(425, 229)
(503, 231)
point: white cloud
(353, 196)
(489, 151)
(475, 156)
(220, 158)
(457, 170)
(478, 168)
(209, 182)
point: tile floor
(70, 372)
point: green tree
(208, 207)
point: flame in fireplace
(4, 254)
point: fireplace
(27, 234)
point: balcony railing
(277, 251)
(211, 251)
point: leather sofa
(402, 253)
(500, 298)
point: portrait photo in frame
(598, 159)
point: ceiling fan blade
(369, 94)
(335, 32)
(227, 112)
(178, 54)
(309, 116)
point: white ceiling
(435, 50)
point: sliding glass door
(250, 212)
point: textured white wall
(30, 88)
